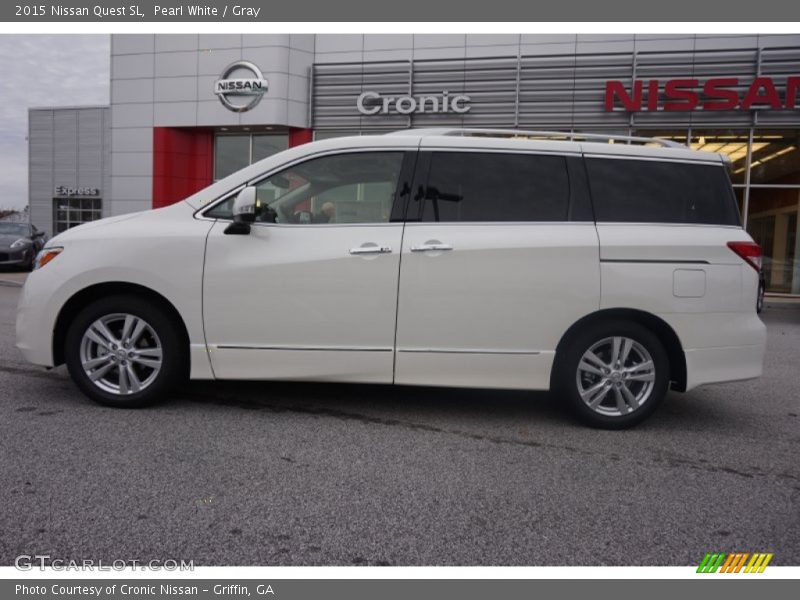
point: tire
(154, 373)
(605, 396)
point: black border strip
(655, 261)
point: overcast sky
(43, 70)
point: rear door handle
(437, 247)
(373, 249)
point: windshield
(19, 229)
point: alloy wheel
(616, 376)
(121, 354)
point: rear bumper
(721, 346)
(718, 365)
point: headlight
(20, 243)
(46, 255)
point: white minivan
(608, 272)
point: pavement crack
(31, 372)
(673, 461)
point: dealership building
(189, 109)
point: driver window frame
(400, 196)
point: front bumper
(17, 258)
(35, 320)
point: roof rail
(564, 135)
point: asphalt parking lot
(298, 474)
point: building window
(234, 151)
(730, 142)
(776, 158)
(774, 204)
(231, 153)
(69, 212)
(329, 134)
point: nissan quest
(608, 270)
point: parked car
(19, 243)
(605, 272)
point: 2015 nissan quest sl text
(606, 272)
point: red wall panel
(183, 163)
(299, 136)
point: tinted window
(474, 186)
(645, 191)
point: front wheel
(613, 375)
(123, 351)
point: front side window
(485, 186)
(334, 189)
(651, 191)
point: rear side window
(648, 191)
(477, 186)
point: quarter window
(478, 186)
(649, 191)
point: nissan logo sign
(372, 103)
(722, 93)
(239, 93)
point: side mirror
(38, 234)
(244, 212)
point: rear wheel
(613, 375)
(123, 351)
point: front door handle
(431, 247)
(371, 249)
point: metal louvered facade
(563, 91)
(69, 165)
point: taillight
(749, 251)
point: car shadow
(426, 405)
(381, 401)
(420, 407)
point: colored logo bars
(734, 562)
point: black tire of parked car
(173, 368)
(566, 386)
